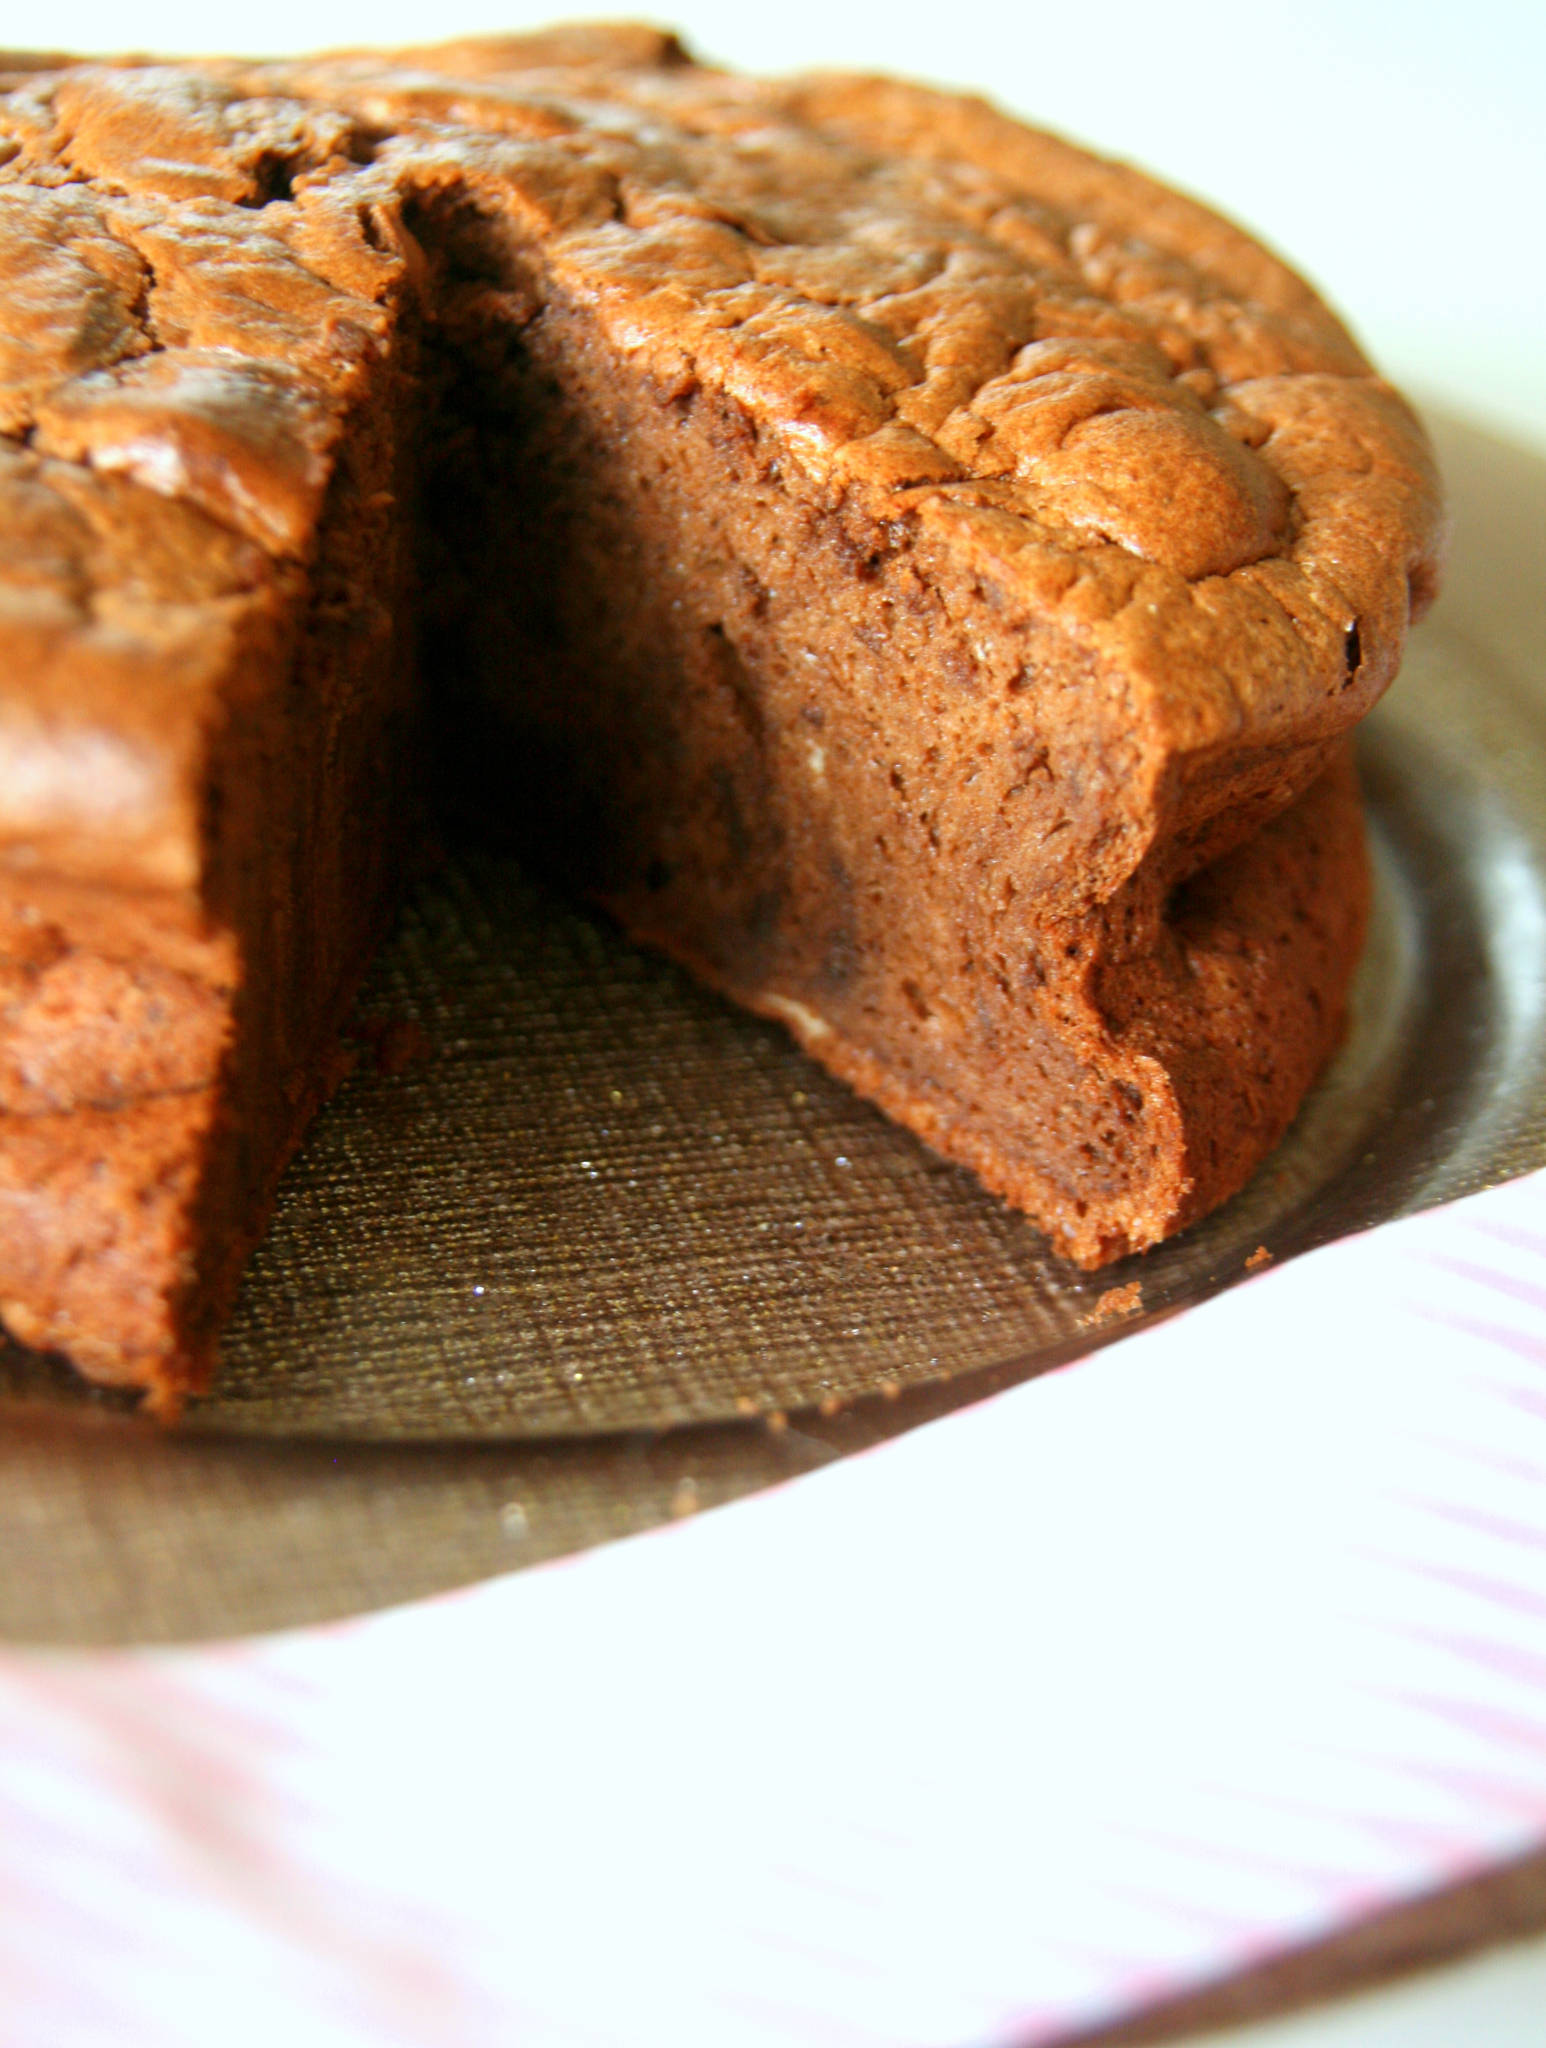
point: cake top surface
(1089, 391)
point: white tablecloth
(1124, 1679)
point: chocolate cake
(918, 574)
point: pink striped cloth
(1124, 1679)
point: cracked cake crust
(1118, 536)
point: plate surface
(566, 1202)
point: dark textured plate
(567, 1197)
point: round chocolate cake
(916, 573)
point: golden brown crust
(1093, 392)
(1039, 389)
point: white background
(1395, 152)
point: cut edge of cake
(1105, 492)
